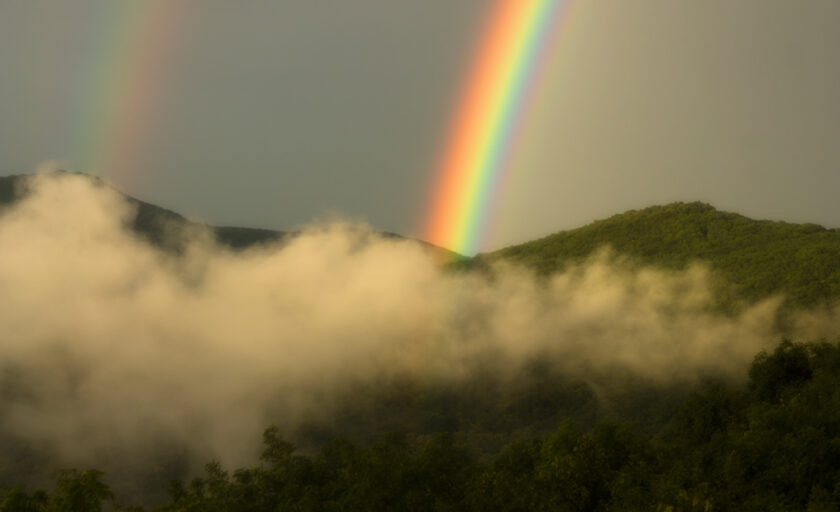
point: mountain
(158, 224)
(760, 257)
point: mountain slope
(760, 257)
(158, 224)
(161, 226)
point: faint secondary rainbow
(480, 139)
(123, 91)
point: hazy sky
(272, 114)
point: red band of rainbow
(484, 125)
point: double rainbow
(483, 130)
(125, 94)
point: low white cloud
(111, 345)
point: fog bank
(113, 346)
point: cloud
(114, 346)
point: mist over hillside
(124, 354)
(759, 257)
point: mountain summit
(760, 257)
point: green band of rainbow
(485, 124)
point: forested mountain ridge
(760, 257)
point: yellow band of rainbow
(483, 128)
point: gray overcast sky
(272, 114)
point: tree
(788, 366)
(80, 491)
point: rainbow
(123, 92)
(484, 126)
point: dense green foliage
(773, 444)
(760, 257)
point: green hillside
(760, 257)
